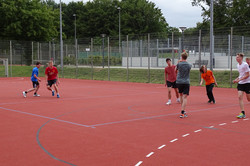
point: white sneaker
(178, 100)
(36, 95)
(24, 94)
(168, 103)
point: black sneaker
(183, 114)
(209, 101)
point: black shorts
(183, 88)
(244, 88)
(51, 82)
(35, 84)
(171, 84)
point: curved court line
(39, 143)
(183, 136)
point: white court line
(174, 140)
(211, 127)
(246, 119)
(235, 121)
(162, 146)
(196, 131)
(139, 163)
(185, 135)
(150, 154)
(222, 124)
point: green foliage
(28, 20)
(227, 13)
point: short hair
(241, 55)
(50, 61)
(202, 68)
(184, 55)
(38, 63)
(247, 58)
(168, 59)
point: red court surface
(101, 123)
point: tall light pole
(211, 34)
(182, 41)
(61, 41)
(103, 36)
(119, 29)
(74, 15)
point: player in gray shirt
(183, 81)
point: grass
(120, 74)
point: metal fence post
(199, 53)
(172, 47)
(127, 60)
(231, 51)
(92, 72)
(148, 58)
(10, 58)
(76, 54)
(108, 61)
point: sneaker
(53, 93)
(183, 115)
(58, 96)
(209, 102)
(241, 116)
(178, 100)
(36, 95)
(214, 102)
(24, 94)
(168, 103)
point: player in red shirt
(51, 76)
(170, 80)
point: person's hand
(236, 80)
(216, 84)
(57, 82)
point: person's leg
(240, 96)
(210, 91)
(184, 102)
(248, 97)
(56, 88)
(176, 93)
(208, 94)
(169, 94)
(181, 98)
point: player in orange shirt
(210, 80)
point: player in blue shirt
(35, 81)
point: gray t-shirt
(183, 72)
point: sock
(243, 112)
(34, 93)
(26, 92)
(182, 112)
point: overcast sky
(177, 12)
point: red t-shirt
(51, 73)
(171, 73)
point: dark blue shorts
(171, 84)
(183, 88)
(244, 88)
(35, 84)
(51, 82)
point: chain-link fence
(85, 58)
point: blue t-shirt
(34, 72)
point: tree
(28, 20)
(227, 13)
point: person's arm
(242, 78)
(201, 81)
(166, 77)
(37, 78)
(215, 82)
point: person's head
(38, 64)
(184, 56)
(239, 57)
(169, 62)
(248, 60)
(203, 69)
(50, 64)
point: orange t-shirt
(208, 77)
